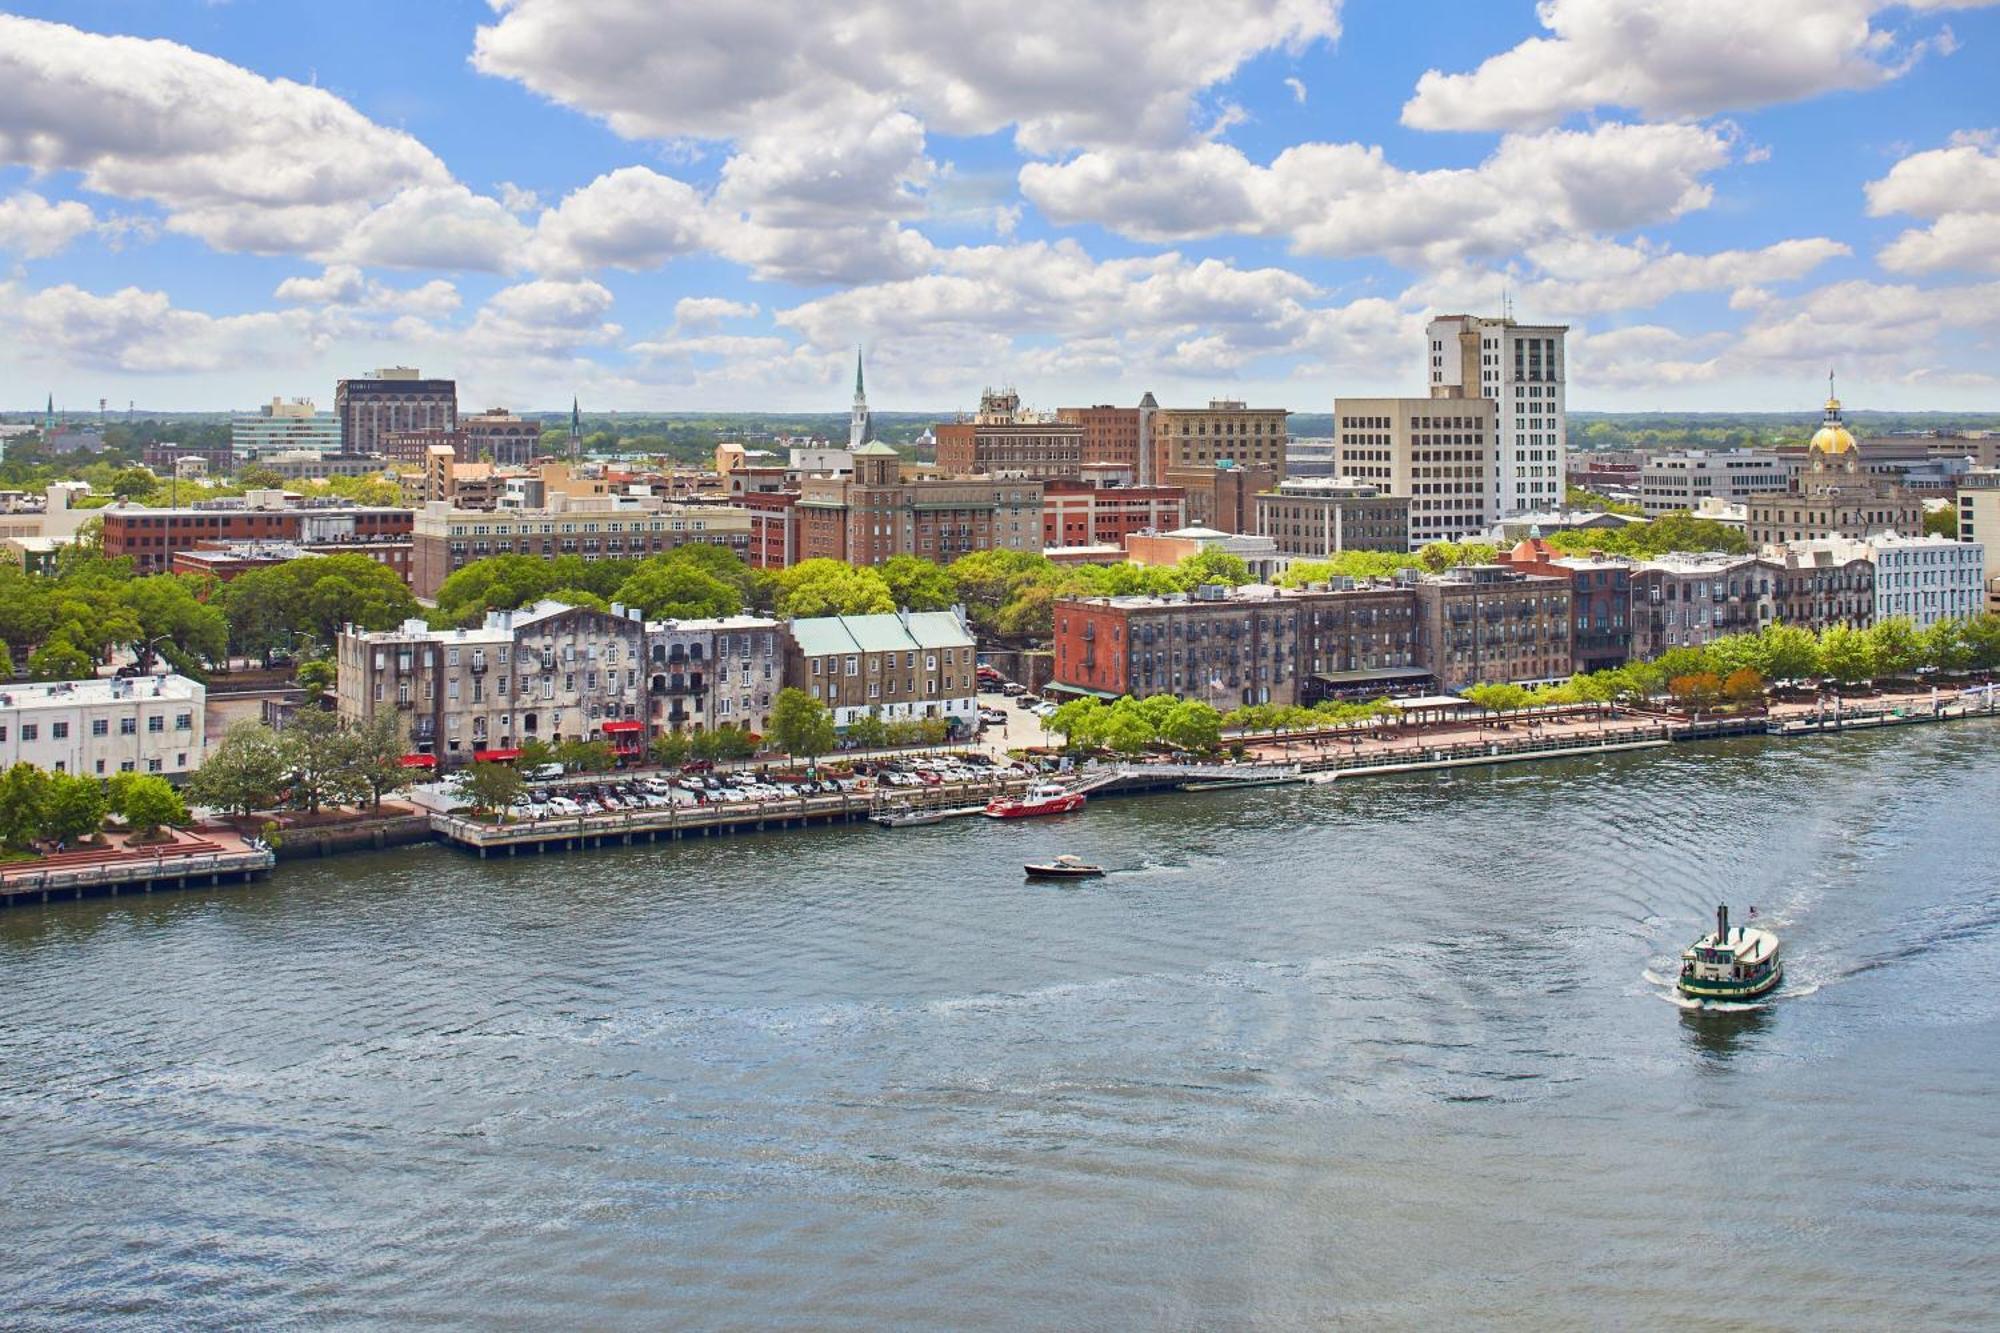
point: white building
(1437, 452)
(143, 724)
(1671, 483)
(282, 426)
(1927, 579)
(1523, 369)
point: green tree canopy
(831, 588)
(245, 773)
(801, 725)
(670, 588)
(146, 802)
(916, 584)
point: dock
(78, 875)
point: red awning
(624, 726)
(420, 761)
(495, 756)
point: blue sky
(707, 205)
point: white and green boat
(1737, 963)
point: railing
(136, 868)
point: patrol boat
(1738, 963)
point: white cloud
(34, 228)
(517, 199)
(1958, 189)
(546, 318)
(1298, 90)
(1061, 71)
(242, 161)
(631, 218)
(1671, 58)
(437, 226)
(344, 285)
(708, 312)
(1346, 200)
(143, 332)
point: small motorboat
(1064, 867)
(1044, 798)
(1732, 964)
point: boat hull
(1732, 990)
(1064, 872)
(1028, 810)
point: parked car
(544, 773)
(1012, 688)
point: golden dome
(1833, 436)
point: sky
(707, 205)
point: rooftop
(100, 690)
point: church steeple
(49, 421)
(575, 429)
(858, 420)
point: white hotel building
(1921, 579)
(1523, 369)
(143, 724)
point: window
(31, 731)
(100, 727)
(184, 722)
(152, 765)
(128, 726)
(59, 731)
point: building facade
(550, 672)
(1835, 496)
(1359, 641)
(1818, 584)
(1315, 518)
(1003, 439)
(901, 666)
(388, 401)
(1523, 369)
(1226, 431)
(1481, 623)
(99, 728)
(1229, 647)
(875, 514)
(1112, 436)
(1436, 453)
(1077, 514)
(151, 537)
(282, 427)
(704, 675)
(444, 540)
(501, 438)
(1978, 502)
(1927, 579)
(1600, 590)
(1675, 483)
(1685, 601)
(226, 560)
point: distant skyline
(707, 206)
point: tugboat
(1738, 964)
(1064, 867)
(1044, 798)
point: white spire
(857, 421)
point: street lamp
(149, 654)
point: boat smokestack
(1722, 923)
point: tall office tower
(1523, 368)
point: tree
(665, 588)
(313, 595)
(1793, 653)
(245, 773)
(316, 676)
(868, 731)
(1743, 687)
(73, 807)
(1941, 523)
(581, 756)
(1126, 731)
(1896, 646)
(133, 483)
(733, 743)
(146, 803)
(23, 794)
(59, 659)
(801, 725)
(1212, 566)
(1947, 646)
(831, 588)
(372, 752)
(1847, 654)
(316, 758)
(493, 787)
(6, 663)
(1498, 698)
(916, 584)
(535, 752)
(1698, 690)
(669, 749)
(1192, 725)
(1982, 641)
(1080, 722)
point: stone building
(1226, 431)
(709, 674)
(875, 514)
(1835, 495)
(1684, 601)
(1315, 518)
(444, 540)
(100, 728)
(1435, 452)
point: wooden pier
(188, 868)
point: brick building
(391, 401)
(1600, 599)
(774, 528)
(1480, 623)
(226, 560)
(1820, 583)
(904, 665)
(1226, 646)
(1112, 436)
(1684, 601)
(1003, 440)
(875, 514)
(1223, 496)
(151, 537)
(1076, 514)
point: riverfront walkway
(208, 857)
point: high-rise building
(388, 401)
(1522, 369)
(1675, 483)
(1435, 451)
(1004, 439)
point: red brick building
(152, 536)
(774, 528)
(1075, 514)
(1002, 439)
(226, 560)
(1113, 435)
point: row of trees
(316, 761)
(1132, 726)
(67, 808)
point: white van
(545, 772)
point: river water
(1388, 1054)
